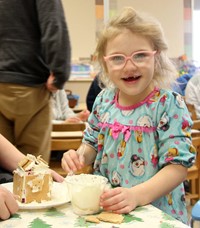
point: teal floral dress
(133, 143)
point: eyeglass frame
(129, 57)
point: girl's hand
(8, 204)
(71, 161)
(119, 200)
(57, 177)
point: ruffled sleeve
(174, 131)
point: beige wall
(79, 87)
(80, 16)
(169, 13)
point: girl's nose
(130, 64)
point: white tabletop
(62, 216)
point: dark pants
(5, 176)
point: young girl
(139, 130)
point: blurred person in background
(35, 54)
(95, 88)
(192, 92)
(62, 111)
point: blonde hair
(165, 72)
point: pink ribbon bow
(116, 129)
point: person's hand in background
(8, 203)
(83, 115)
(50, 84)
(79, 117)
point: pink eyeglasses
(118, 61)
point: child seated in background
(62, 111)
(192, 92)
(139, 132)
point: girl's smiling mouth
(131, 78)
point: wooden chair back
(196, 144)
(68, 127)
(196, 124)
(66, 136)
(192, 111)
(195, 131)
(62, 135)
(193, 175)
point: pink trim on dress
(116, 128)
(146, 100)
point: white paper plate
(59, 196)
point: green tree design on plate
(53, 212)
(165, 216)
(80, 222)
(167, 225)
(141, 209)
(129, 218)
(39, 223)
(16, 216)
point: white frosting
(85, 191)
(37, 183)
(30, 166)
(86, 200)
(35, 166)
(86, 179)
